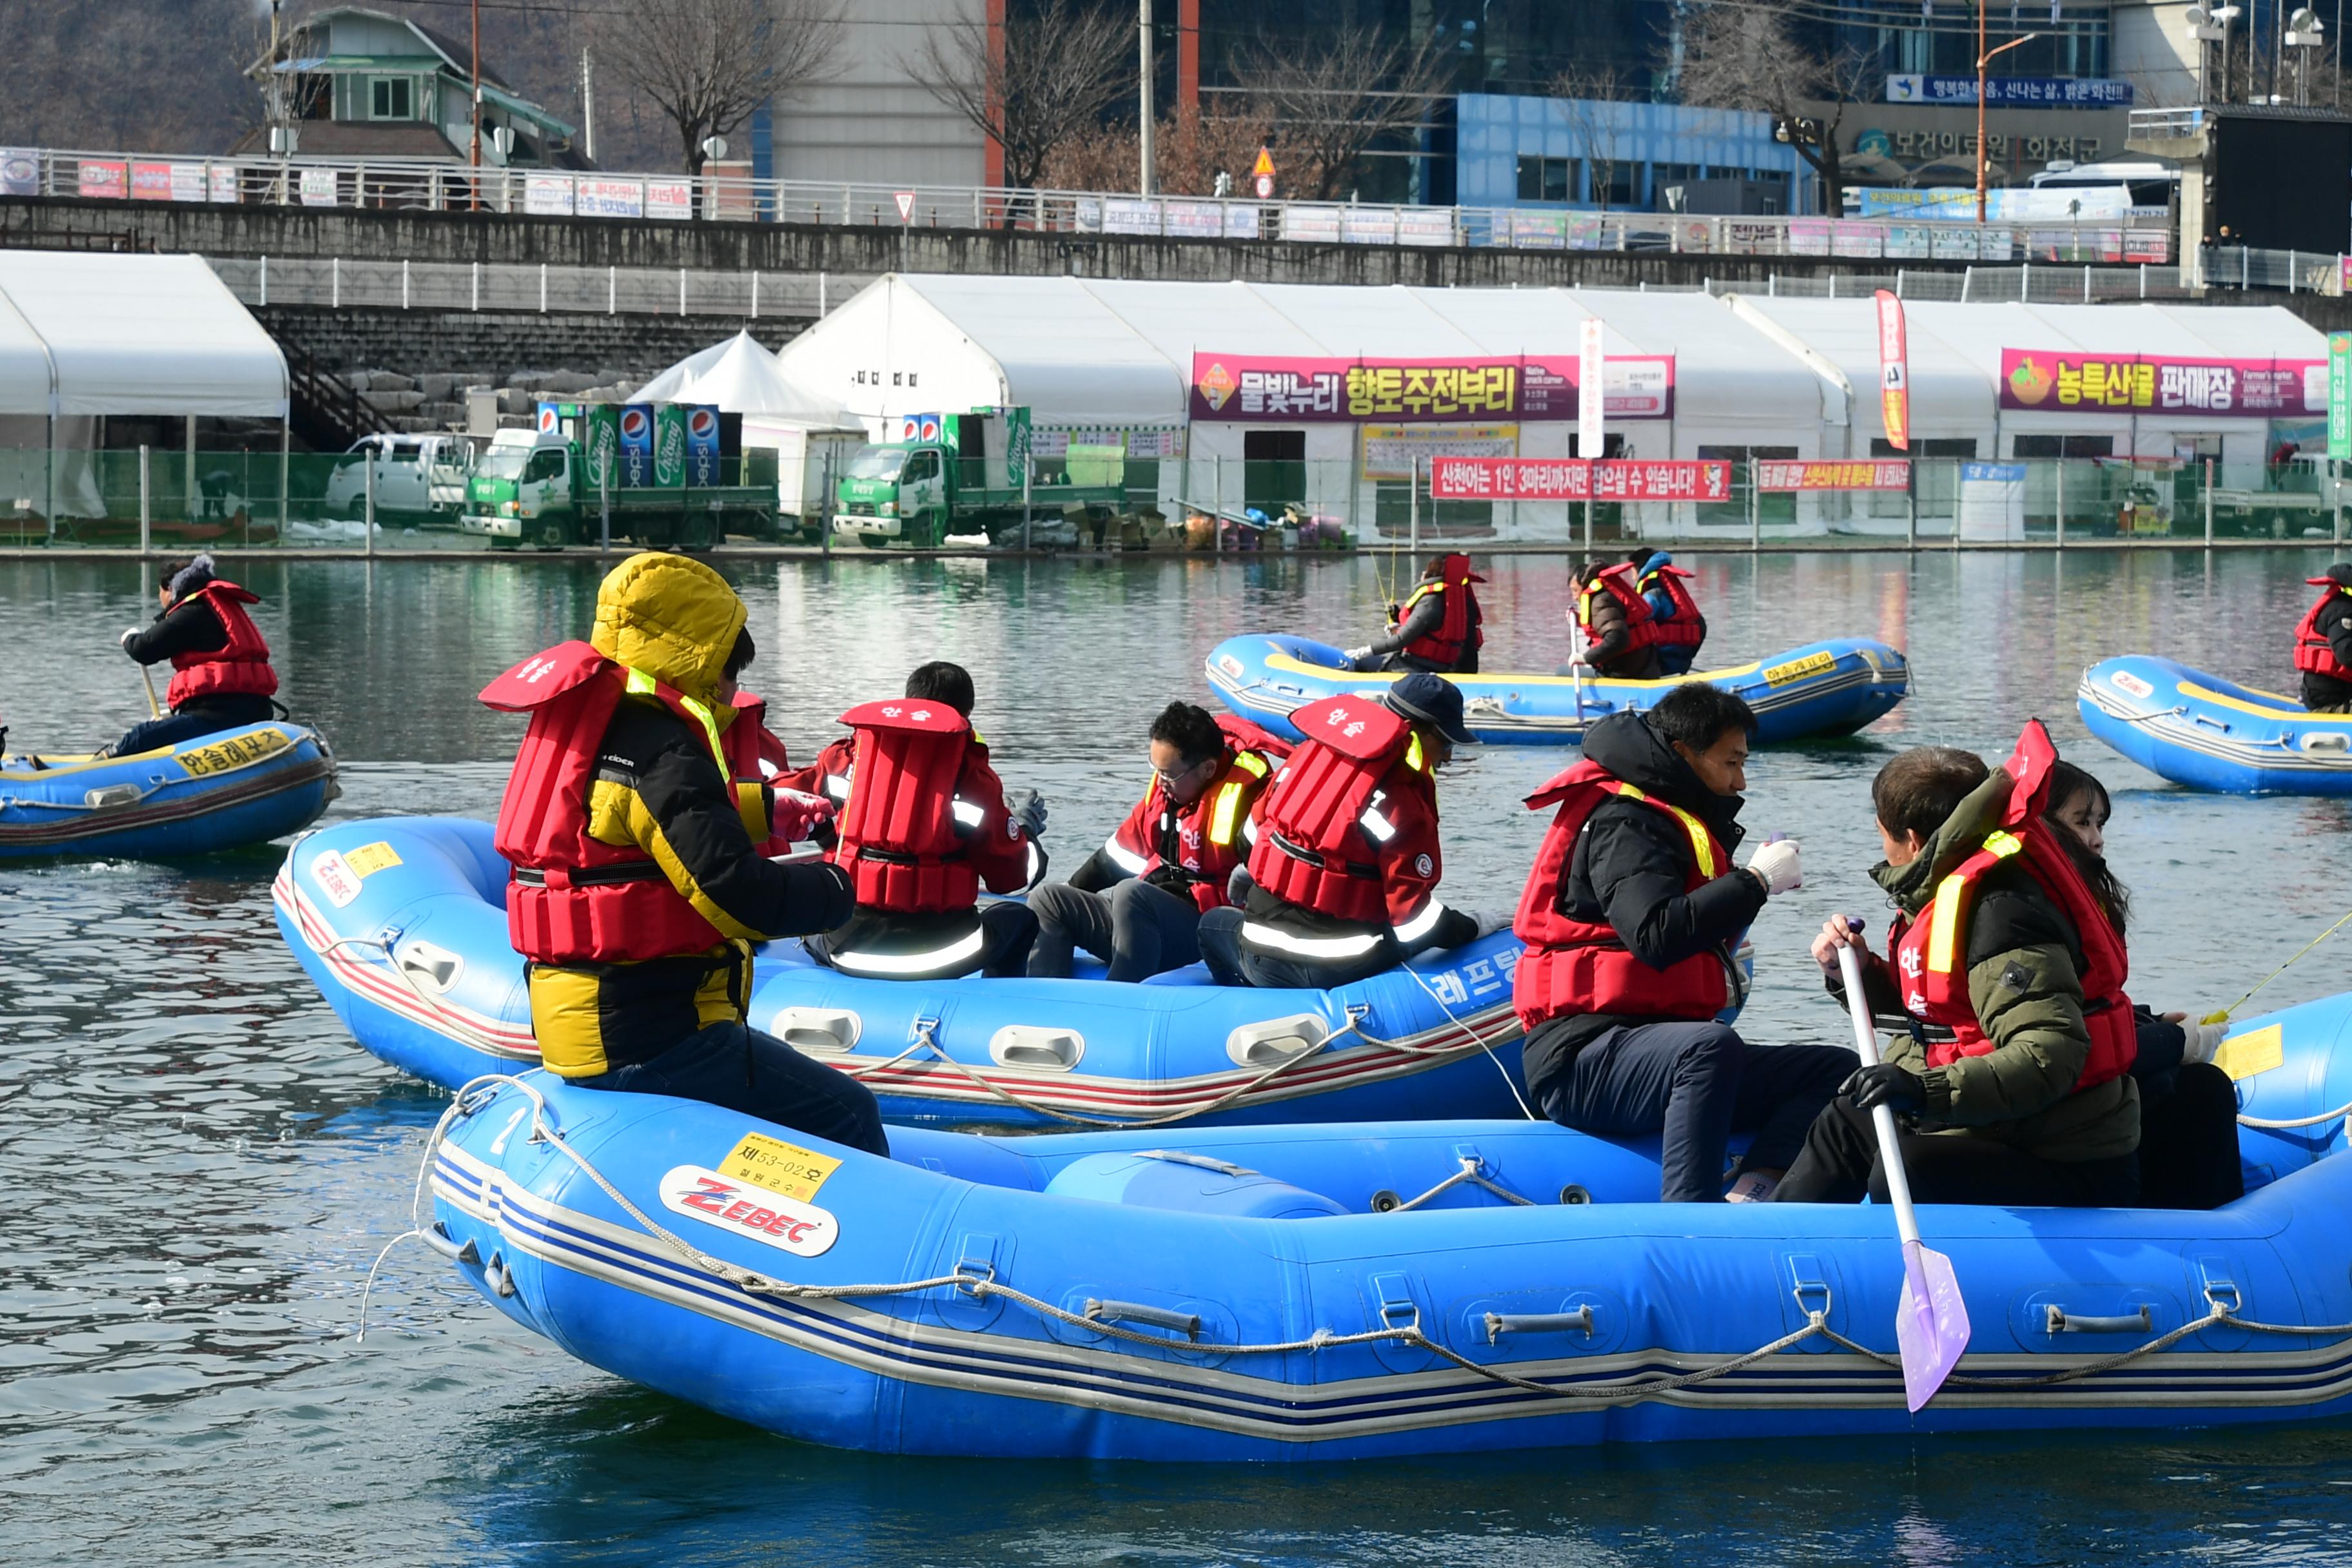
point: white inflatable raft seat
(1163, 1178)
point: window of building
(1547, 179)
(1273, 468)
(2064, 447)
(391, 98)
(1617, 185)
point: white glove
(128, 634)
(1776, 863)
(1353, 654)
(2204, 1039)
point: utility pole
(1984, 58)
(588, 105)
(1144, 141)
(475, 156)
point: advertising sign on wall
(1894, 371)
(151, 182)
(1309, 389)
(1871, 474)
(2060, 382)
(547, 195)
(672, 199)
(1398, 451)
(103, 177)
(608, 198)
(1572, 479)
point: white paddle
(1931, 1320)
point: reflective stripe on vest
(1702, 841)
(2314, 654)
(640, 684)
(1951, 893)
(961, 953)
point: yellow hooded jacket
(659, 786)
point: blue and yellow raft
(223, 791)
(1831, 688)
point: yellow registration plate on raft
(222, 756)
(1797, 669)
(778, 1166)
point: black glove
(1028, 809)
(1887, 1085)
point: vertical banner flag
(1893, 372)
(1590, 368)
(2339, 396)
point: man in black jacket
(1632, 918)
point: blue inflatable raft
(223, 791)
(402, 924)
(2208, 733)
(1831, 687)
(1353, 1291)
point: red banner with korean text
(2059, 381)
(1894, 371)
(1294, 389)
(1572, 479)
(1777, 477)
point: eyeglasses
(1173, 780)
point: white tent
(739, 376)
(131, 335)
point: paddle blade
(1931, 1322)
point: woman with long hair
(2189, 1106)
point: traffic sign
(1263, 167)
(1265, 187)
(906, 200)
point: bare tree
(1333, 95)
(1032, 85)
(1588, 95)
(1754, 55)
(707, 64)
(1188, 152)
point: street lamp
(2210, 24)
(2304, 33)
(1984, 58)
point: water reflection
(204, 1167)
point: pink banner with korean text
(1291, 389)
(1572, 479)
(1780, 475)
(2057, 381)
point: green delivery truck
(662, 473)
(966, 473)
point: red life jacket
(1574, 966)
(1930, 954)
(1617, 582)
(1201, 843)
(2313, 652)
(1313, 849)
(1460, 631)
(238, 667)
(900, 839)
(748, 743)
(1687, 628)
(575, 899)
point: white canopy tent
(84, 336)
(741, 377)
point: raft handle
(498, 1275)
(439, 1240)
(2058, 1320)
(1185, 1323)
(2197, 718)
(1576, 1322)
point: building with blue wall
(1517, 151)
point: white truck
(418, 479)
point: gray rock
(394, 401)
(515, 400)
(568, 383)
(437, 386)
(390, 381)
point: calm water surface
(203, 1166)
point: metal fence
(317, 182)
(339, 281)
(170, 499)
